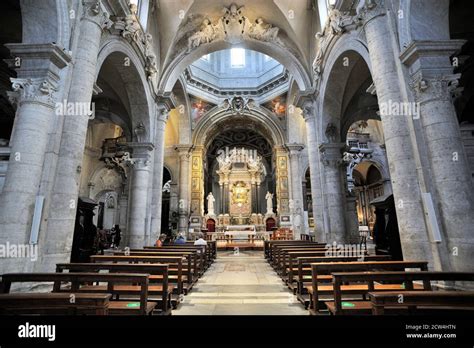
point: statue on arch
(210, 204)
(269, 198)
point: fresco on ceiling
(277, 105)
(198, 109)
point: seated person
(180, 239)
(160, 240)
(200, 240)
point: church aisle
(242, 284)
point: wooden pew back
(77, 279)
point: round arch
(335, 77)
(285, 57)
(203, 132)
(136, 85)
(170, 172)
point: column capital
(163, 113)
(294, 148)
(371, 9)
(38, 69)
(431, 69)
(184, 150)
(140, 155)
(38, 90)
(331, 154)
(306, 103)
(94, 13)
(441, 87)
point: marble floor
(242, 284)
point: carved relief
(94, 13)
(237, 105)
(335, 26)
(130, 29)
(331, 132)
(37, 90)
(233, 27)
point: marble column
(400, 153)
(140, 163)
(309, 114)
(157, 191)
(452, 191)
(35, 95)
(254, 196)
(64, 198)
(331, 158)
(184, 153)
(294, 151)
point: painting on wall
(277, 105)
(198, 109)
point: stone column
(34, 93)
(257, 197)
(221, 206)
(352, 221)
(157, 192)
(226, 196)
(309, 114)
(401, 157)
(331, 158)
(184, 153)
(294, 151)
(123, 204)
(63, 204)
(452, 191)
(140, 162)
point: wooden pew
(369, 282)
(276, 248)
(54, 304)
(268, 244)
(288, 258)
(303, 271)
(158, 275)
(422, 302)
(201, 262)
(322, 286)
(204, 254)
(190, 259)
(76, 280)
(175, 264)
(279, 253)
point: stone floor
(242, 284)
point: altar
(240, 232)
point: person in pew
(160, 241)
(180, 239)
(200, 240)
(116, 237)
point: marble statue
(269, 198)
(210, 204)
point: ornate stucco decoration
(237, 105)
(130, 29)
(336, 25)
(331, 132)
(234, 28)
